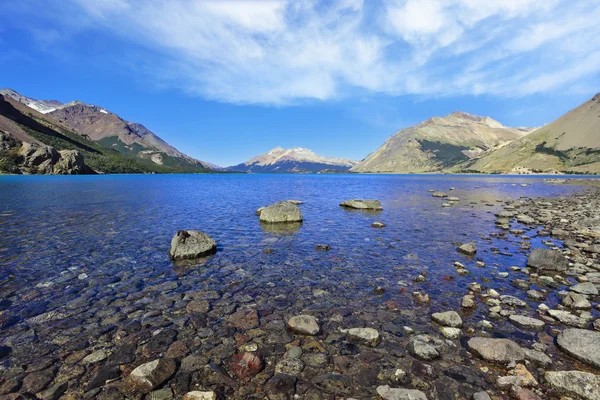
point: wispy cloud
(281, 52)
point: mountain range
(295, 160)
(47, 136)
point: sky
(224, 81)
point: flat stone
(547, 259)
(388, 393)
(448, 318)
(357, 204)
(527, 322)
(567, 318)
(451, 333)
(189, 244)
(333, 384)
(574, 383)
(198, 395)
(586, 288)
(289, 366)
(512, 301)
(366, 336)
(581, 344)
(244, 319)
(481, 396)
(304, 325)
(502, 351)
(576, 301)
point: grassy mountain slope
(570, 144)
(437, 144)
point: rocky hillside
(438, 143)
(110, 130)
(569, 144)
(34, 143)
(295, 160)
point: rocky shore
(221, 334)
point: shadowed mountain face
(438, 143)
(296, 160)
(110, 130)
(570, 143)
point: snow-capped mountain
(297, 159)
(43, 106)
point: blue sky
(226, 80)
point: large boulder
(41, 158)
(502, 351)
(187, 245)
(373, 205)
(574, 383)
(547, 259)
(582, 344)
(281, 212)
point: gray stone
(149, 376)
(425, 347)
(586, 288)
(547, 259)
(468, 248)
(366, 336)
(567, 318)
(388, 393)
(198, 395)
(527, 322)
(512, 301)
(289, 366)
(581, 344)
(448, 318)
(374, 205)
(481, 396)
(525, 219)
(187, 245)
(576, 301)
(439, 194)
(538, 358)
(574, 383)
(304, 325)
(502, 351)
(281, 212)
(593, 248)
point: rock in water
(197, 395)
(527, 322)
(574, 383)
(281, 212)
(367, 336)
(582, 344)
(187, 245)
(304, 325)
(468, 249)
(374, 205)
(547, 259)
(448, 318)
(149, 376)
(388, 393)
(502, 351)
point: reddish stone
(245, 365)
(240, 339)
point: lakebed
(88, 293)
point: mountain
(569, 144)
(110, 130)
(438, 143)
(296, 160)
(34, 143)
(43, 106)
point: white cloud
(283, 51)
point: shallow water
(93, 249)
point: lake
(84, 264)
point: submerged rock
(388, 393)
(188, 244)
(367, 336)
(363, 204)
(547, 259)
(582, 344)
(502, 351)
(527, 322)
(448, 318)
(304, 325)
(281, 212)
(149, 376)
